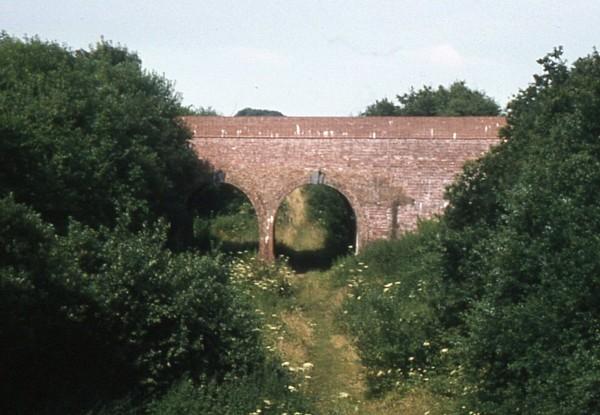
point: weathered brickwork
(392, 170)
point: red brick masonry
(392, 170)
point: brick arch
(338, 185)
(392, 170)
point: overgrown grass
(390, 312)
(314, 226)
(267, 391)
(227, 232)
(303, 328)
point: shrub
(264, 391)
(521, 269)
(391, 311)
(81, 310)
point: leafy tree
(521, 270)
(80, 311)
(86, 133)
(252, 112)
(201, 111)
(382, 108)
(456, 100)
(93, 306)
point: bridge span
(392, 170)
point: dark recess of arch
(332, 208)
(223, 206)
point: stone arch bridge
(392, 170)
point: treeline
(456, 100)
(103, 308)
(495, 307)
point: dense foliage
(97, 315)
(456, 100)
(253, 112)
(521, 268)
(86, 133)
(115, 303)
(512, 312)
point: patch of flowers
(252, 272)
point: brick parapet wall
(346, 127)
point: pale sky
(323, 57)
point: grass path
(338, 377)
(311, 341)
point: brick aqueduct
(392, 170)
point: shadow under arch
(315, 223)
(226, 217)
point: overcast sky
(322, 57)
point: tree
(252, 112)
(456, 100)
(81, 310)
(521, 270)
(199, 111)
(88, 133)
(383, 108)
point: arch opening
(314, 225)
(224, 219)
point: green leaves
(86, 131)
(94, 305)
(456, 100)
(520, 259)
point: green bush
(390, 312)
(224, 219)
(330, 209)
(264, 391)
(521, 269)
(88, 132)
(82, 310)
(509, 282)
